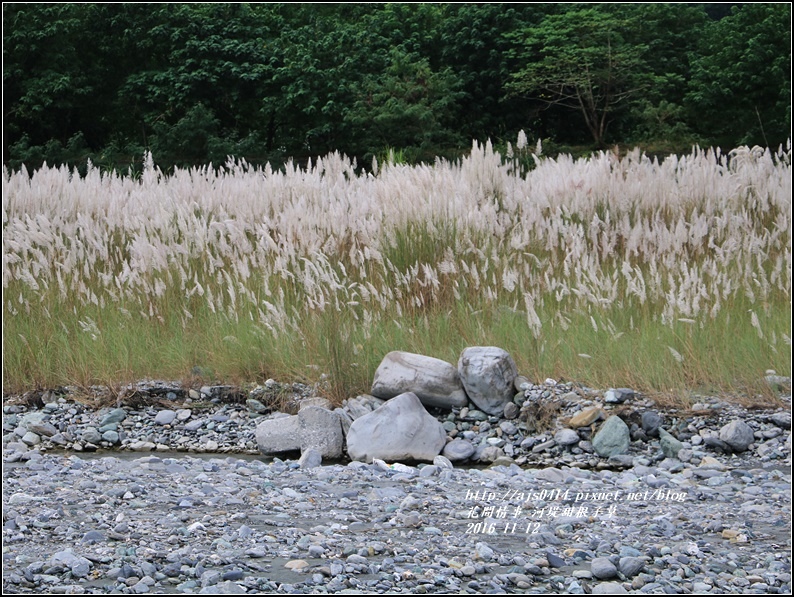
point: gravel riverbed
(189, 522)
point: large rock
(278, 434)
(321, 429)
(435, 382)
(738, 435)
(488, 374)
(401, 429)
(613, 438)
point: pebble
(136, 521)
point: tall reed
(662, 275)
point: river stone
(585, 417)
(511, 410)
(738, 435)
(670, 445)
(782, 420)
(609, 588)
(566, 437)
(117, 415)
(78, 565)
(226, 587)
(278, 434)
(401, 429)
(488, 374)
(651, 421)
(31, 439)
(602, 568)
(442, 462)
(111, 436)
(310, 458)
(35, 417)
(321, 429)
(165, 417)
(435, 382)
(613, 438)
(91, 435)
(45, 429)
(458, 450)
(630, 566)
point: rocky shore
(167, 492)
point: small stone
(738, 435)
(194, 425)
(165, 417)
(651, 421)
(91, 435)
(782, 420)
(482, 551)
(296, 564)
(92, 537)
(609, 588)
(585, 417)
(602, 568)
(566, 437)
(442, 462)
(458, 450)
(630, 566)
(111, 437)
(310, 458)
(31, 438)
(669, 444)
(511, 410)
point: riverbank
(166, 522)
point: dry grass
(662, 276)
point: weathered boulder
(401, 429)
(435, 382)
(613, 438)
(738, 435)
(278, 434)
(488, 374)
(321, 429)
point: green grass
(723, 356)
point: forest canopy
(195, 83)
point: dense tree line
(194, 83)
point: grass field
(666, 277)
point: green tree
(740, 90)
(408, 106)
(580, 60)
(474, 44)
